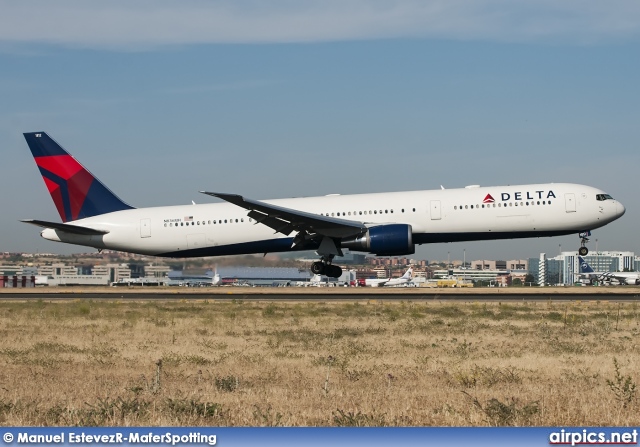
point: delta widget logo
(527, 195)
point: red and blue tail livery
(76, 193)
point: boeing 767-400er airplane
(386, 224)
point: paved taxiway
(620, 293)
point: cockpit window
(602, 197)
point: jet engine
(383, 240)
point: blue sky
(162, 99)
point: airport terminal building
(565, 268)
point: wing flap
(278, 225)
(283, 219)
(67, 228)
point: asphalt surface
(326, 294)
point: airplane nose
(620, 209)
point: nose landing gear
(584, 238)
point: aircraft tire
(318, 268)
(336, 272)
(583, 251)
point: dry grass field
(319, 364)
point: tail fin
(75, 191)
(408, 274)
(584, 266)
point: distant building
(115, 272)
(57, 269)
(486, 264)
(518, 264)
(77, 280)
(17, 281)
(351, 258)
(60, 273)
(473, 274)
(156, 271)
(565, 268)
(11, 270)
(263, 276)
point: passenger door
(145, 227)
(570, 202)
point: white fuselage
(386, 282)
(631, 278)
(472, 213)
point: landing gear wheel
(584, 238)
(333, 271)
(318, 268)
(324, 267)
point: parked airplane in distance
(631, 278)
(216, 280)
(385, 224)
(380, 282)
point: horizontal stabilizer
(67, 228)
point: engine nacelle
(383, 240)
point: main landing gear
(324, 267)
(584, 238)
(327, 250)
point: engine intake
(383, 240)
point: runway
(291, 294)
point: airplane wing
(287, 220)
(68, 228)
